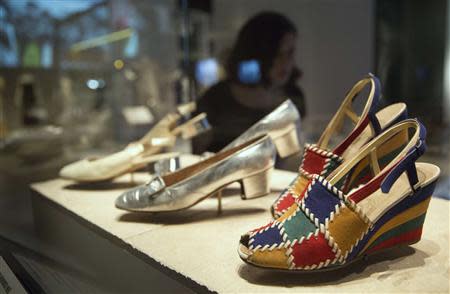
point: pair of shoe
(142, 152)
(365, 195)
(248, 160)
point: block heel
(256, 185)
(287, 144)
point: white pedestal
(196, 250)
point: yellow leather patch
(346, 228)
(276, 258)
(402, 218)
(300, 185)
(288, 213)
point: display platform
(196, 250)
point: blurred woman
(261, 74)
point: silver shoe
(282, 125)
(249, 163)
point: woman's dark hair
(259, 39)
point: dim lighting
(118, 64)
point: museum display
(205, 146)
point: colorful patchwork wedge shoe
(323, 157)
(142, 152)
(334, 223)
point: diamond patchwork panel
(313, 163)
(346, 228)
(321, 203)
(318, 161)
(266, 238)
(298, 226)
(313, 252)
(285, 202)
(296, 191)
(274, 258)
(300, 185)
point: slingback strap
(407, 164)
(183, 112)
(368, 117)
(193, 127)
(373, 108)
(186, 109)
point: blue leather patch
(321, 202)
(269, 237)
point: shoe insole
(385, 116)
(376, 204)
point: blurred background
(74, 74)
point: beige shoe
(138, 154)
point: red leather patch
(312, 251)
(285, 202)
(312, 162)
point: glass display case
(103, 101)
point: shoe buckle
(418, 144)
(419, 148)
